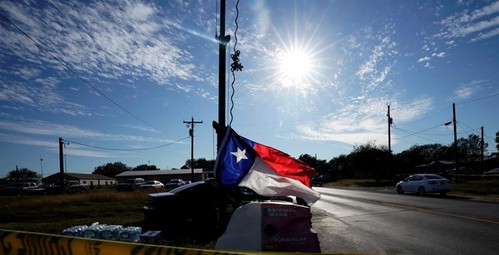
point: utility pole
(41, 165)
(61, 163)
(223, 40)
(455, 137)
(481, 148)
(390, 122)
(191, 134)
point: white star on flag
(240, 154)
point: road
(383, 222)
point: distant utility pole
(41, 165)
(61, 163)
(390, 122)
(455, 137)
(191, 134)
(482, 147)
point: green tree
(201, 163)
(497, 141)
(111, 169)
(470, 148)
(319, 165)
(145, 167)
(23, 174)
(369, 161)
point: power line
(78, 76)
(480, 98)
(136, 149)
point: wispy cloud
(478, 24)
(43, 128)
(131, 39)
(468, 90)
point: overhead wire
(128, 149)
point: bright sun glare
(295, 67)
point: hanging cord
(235, 66)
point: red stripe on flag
(285, 165)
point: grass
(53, 213)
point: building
(92, 180)
(166, 175)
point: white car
(152, 185)
(424, 183)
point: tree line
(367, 161)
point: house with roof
(196, 174)
(92, 180)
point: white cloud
(364, 119)
(424, 59)
(466, 91)
(468, 23)
(32, 127)
(439, 55)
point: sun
(295, 67)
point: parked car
(130, 184)
(18, 188)
(424, 183)
(317, 180)
(173, 183)
(152, 185)
(492, 171)
(199, 209)
(70, 186)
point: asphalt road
(383, 222)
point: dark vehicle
(69, 187)
(174, 183)
(130, 184)
(196, 210)
(18, 188)
(317, 181)
(492, 171)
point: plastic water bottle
(93, 231)
(131, 234)
(111, 232)
(75, 230)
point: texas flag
(265, 170)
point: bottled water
(106, 232)
(75, 230)
(130, 234)
(110, 232)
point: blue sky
(117, 79)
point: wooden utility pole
(191, 134)
(61, 163)
(482, 144)
(390, 122)
(455, 138)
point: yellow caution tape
(27, 243)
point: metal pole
(222, 48)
